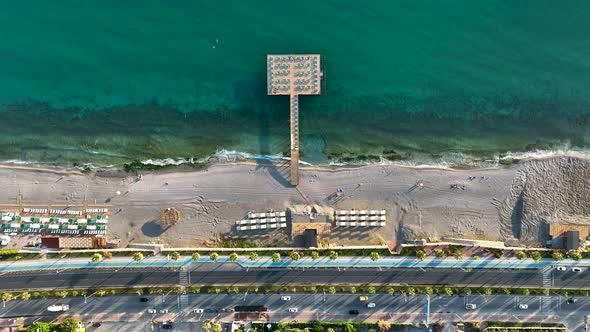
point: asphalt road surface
(232, 274)
(309, 307)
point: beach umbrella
(169, 217)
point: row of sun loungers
(261, 221)
(252, 215)
(361, 223)
(263, 226)
(360, 212)
(27, 210)
(55, 220)
(53, 226)
(360, 218)
(97, 210)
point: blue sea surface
(109, 82)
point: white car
(58, 307)
(198, 311)
(164, 311)
(371, 305)
(293, 310)
(561, 268)
(286, 298)
(523, 306)
(152, 311)
(576, 269)
(470, 306)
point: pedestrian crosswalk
(545, 304)
(183, 278)
(184, 301)
(547, 276)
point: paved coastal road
(399, 308)
(232, 274)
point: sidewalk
(306, 262)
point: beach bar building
(293, 75)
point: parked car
(286, 298)
(363, 298)
(523, 306)
(211, 311)
(571, 300)
(152, 311)
(371, 305)
(293, 310)
(198, 311)
(353, 312)
(576, 269)
(470, 306)
(164, 311)
(561, 268)
(144, 299)
(167, 325)
(96, 324)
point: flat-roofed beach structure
(294, 75)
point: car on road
(286, 298)
(571, 300)
(523, 306)
(198, 311)
(371, 305)
(164, 311)
(353, 312)
(363, 298)
(167, 325)
(293, 310)
(96, 324)
(561, 268)
(152, 311)
(211, 311)
(144, 299)
(470, 306)
(576, 269)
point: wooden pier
(294, 75)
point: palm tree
(137, 256)
(175, 256)
(333, 255)
(214, 256)
(421, 254)
(217, 327)
(96, 258)
(315, 255)
(25, 295)
(295, 256)
(276, 257)
(233, 257)
(206, 326)
(196, 256)
(374, 256)
(253, 256)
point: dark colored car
(571, 300)
(353, 312)
(144, 299)
(96, 324)
(167, 326)
(211, 311)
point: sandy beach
(508, 203)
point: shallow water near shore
(421, 82)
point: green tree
(276, 257)
(196, 256)
(69, 325)
(475, 258)
(439, 253)
(371, 290)
(206, 326)
(175, 256)
(520, 255)
(138, 257)
(63, 294)
(411, 291)
(575, 255)
(217, 327)
(332, 290)
(25, 295)
(428, 290)
(315, 255)
(352, 290)
(233, 256)
(421, 254)
(467, 291)
(349, 327)
(526, 291)
(488, 291)
(253, 256)
(214, 256)
(107, 254)
(39, 327)
(294, 255)
(101, 292)
(383, 325)
(330, 330)
(333, 255)
(96, 258)
(374, 256)
(536, 256)
(448, 291)
(507, 291)
(557, 256)
(390, 290)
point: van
(470, 306)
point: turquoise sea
(107, 82)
